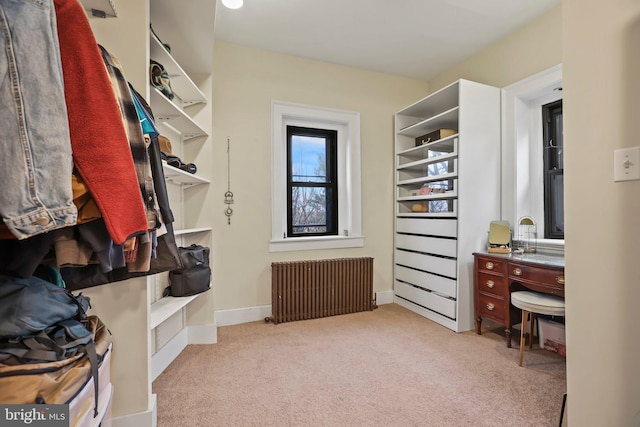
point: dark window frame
(553, 170)
(330, 185)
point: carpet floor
(387, 367)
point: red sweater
(101, 151)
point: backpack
(30, 305)
(54, 365)
(49, 348)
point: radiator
(319, 288)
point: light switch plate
(626, 164)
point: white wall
(533, 48)
(246, 80)
(601, 69)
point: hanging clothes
(166, 256)
(36, 164)
(101, 151)
(138, 253)
(133, 129)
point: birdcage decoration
(527, 235)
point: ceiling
(411, 38)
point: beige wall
(246, 80)
(602, 111)
(535, 47)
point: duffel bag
(29, 376)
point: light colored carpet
(388, 367)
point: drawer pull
(490, 284)
(560, 280)
(489, 265)
(517, 272)
(491, 307)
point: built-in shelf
(422, 164)
(428, 215)
(433, 196)
(444, 145)
(186, 231)
(166, 307)
(178, 176)
(100, 8)
(424, 179)
(181, 83)
(446, 120)
(431, 105)
(170, 114)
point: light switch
(626, 164)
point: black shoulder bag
(195, 277)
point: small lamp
(233, 4)
(528, 234)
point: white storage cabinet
(436, 233)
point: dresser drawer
(544, 276)
(491, 307)
(493, 265)
(490, 283)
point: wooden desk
(497, 275)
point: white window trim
(522, 148)
(347, 123)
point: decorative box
(434, 136)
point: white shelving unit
(436, 233)
(177, 121)
(150, 331)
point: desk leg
(508, 334)
(479, 325)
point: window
(553, 170)
(523, 169)
(312, 182)
(315, 201)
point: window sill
(549, 246)
(311, 243)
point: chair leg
(522, 335)
(532, 319)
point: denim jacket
(36, 162)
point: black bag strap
(30, 349)
(93, 362)
(58, 342)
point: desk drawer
(545, 276)
(491, 307)
(490, 283)
(493, 265)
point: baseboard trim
(148, 418)
(384, 297)
(237, 316)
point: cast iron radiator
(319, 288)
